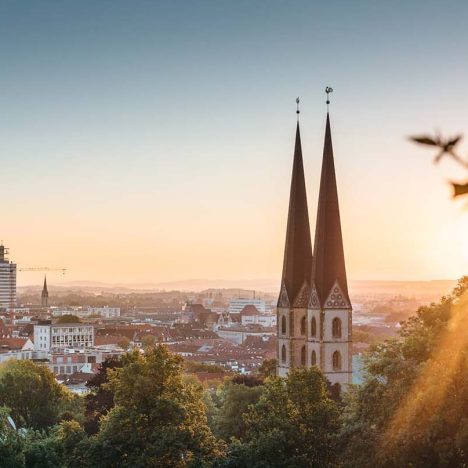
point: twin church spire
(321, 271)
(314, 311)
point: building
(236, 305)
(239, 334)
(105, 312)
(48, 336)
(314, 309)
(45, 294)
(7, 280)
(251, 316)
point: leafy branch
(446, 148)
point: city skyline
(138, 149)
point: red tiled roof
(12, 343)
(249, 309)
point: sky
(151, 141)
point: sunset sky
(149, 141)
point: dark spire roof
(298, 249)
(44, 289)
(329, 263)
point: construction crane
(63, 270)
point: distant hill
(429, 290)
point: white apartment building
(236, 305)
(263, 320)
(49, 336)
(239, 334)
(7, 280)
(106, 312)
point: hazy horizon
(149, 141)
(259, 285)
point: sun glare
(436, 380)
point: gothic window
(303, 326)
(336, 328)
(313, 327)
(283, 324)
(303, 356)
(313, 358)
(336, 360)
(283, 354)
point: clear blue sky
(145, 140)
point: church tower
(329, 314)
(314, 309)
(295, 281)
(45, 294)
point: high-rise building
(7, 280)
(314, 309)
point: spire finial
(328, 90)
(297, 108)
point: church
(314, 309)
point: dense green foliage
(412, 409)
(142, 411)
(158, 418)
(232, 401)
(68, 318)
(100, 400)
(293, 423)
(33, 395)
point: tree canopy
(412, 408)
(158, 419)
(31, 393)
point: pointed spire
(328, 264)
(298, 249)
(45, 294)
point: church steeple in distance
(328, 266)
(45, 294)
(297, 261)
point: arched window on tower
(336, 328)
(303, 326)
(313, 358)
(336, 360)
(303, 356)
(283, 324)
(313, 327)
(283, 354)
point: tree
(100, 400)
(411, 409)
(268, 368)
(158, 419)
(147, 341)
(68, 318)
(294, 423)
(11, 443)
(196, 367)
(32, 393)
(123, 342)
(65, 445)
(234, 398)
